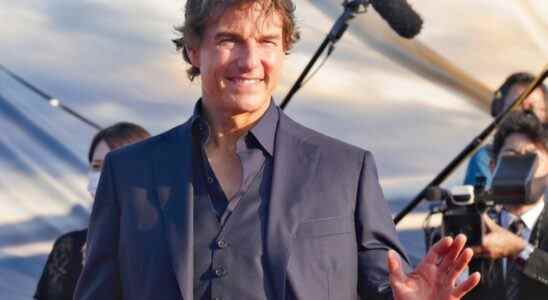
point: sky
(114, 61)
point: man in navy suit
(241, 202)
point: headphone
(497, 104)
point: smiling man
(241, 202)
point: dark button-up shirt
(228, 234)
(253, 150)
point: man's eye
(270, 42)
(226, 42)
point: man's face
(240, 59)
(519, 144)
(535, 102)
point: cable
(51, 100)
(322, 63)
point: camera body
(463, 206)
(462, 213)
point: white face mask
(93, 182)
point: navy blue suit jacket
(328, 225)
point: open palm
(435, 276)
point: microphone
(400, 16)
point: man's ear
(193, 56)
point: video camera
(462, 207)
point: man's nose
(527, 104)
(249, 57)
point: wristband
(524, 255)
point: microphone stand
(351, 8)
(475, 143)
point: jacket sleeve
(376, 234)
(536, 266)
(100, 278)
(478, 166)
(42, 289)
(56, 276)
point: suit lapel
(538, 234)
(173, 181)
(295, 162)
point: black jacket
(327, 233)
(534, 276)
(62, 268)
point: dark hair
(519, 78)
(198, 14)
(118, 135)
(520, 122)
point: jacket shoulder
(326, 144)
(70, 238)
(142, 150)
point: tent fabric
(114, 61)
(42, 187)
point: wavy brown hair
(200, 13)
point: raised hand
(435, 276)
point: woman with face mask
(65, 261)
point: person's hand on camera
(435, 276)
(498, 242)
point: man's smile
(244, 80)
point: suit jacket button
(220, 272)
(222, 244)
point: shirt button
(222, 244)
(220, 272)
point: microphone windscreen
(400, 16)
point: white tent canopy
(411, 102)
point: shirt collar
(264, 130)
(200, 129)
(530, 217)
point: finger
(456, 248)
(478, 250)
(487, 245)
(460, 264)
(467, 285)
(486, 218)
(394, 267)
(489, 223)
(439, 248)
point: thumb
(489, 224)
(395, 268)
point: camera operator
(517, 247)
(506, 94)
